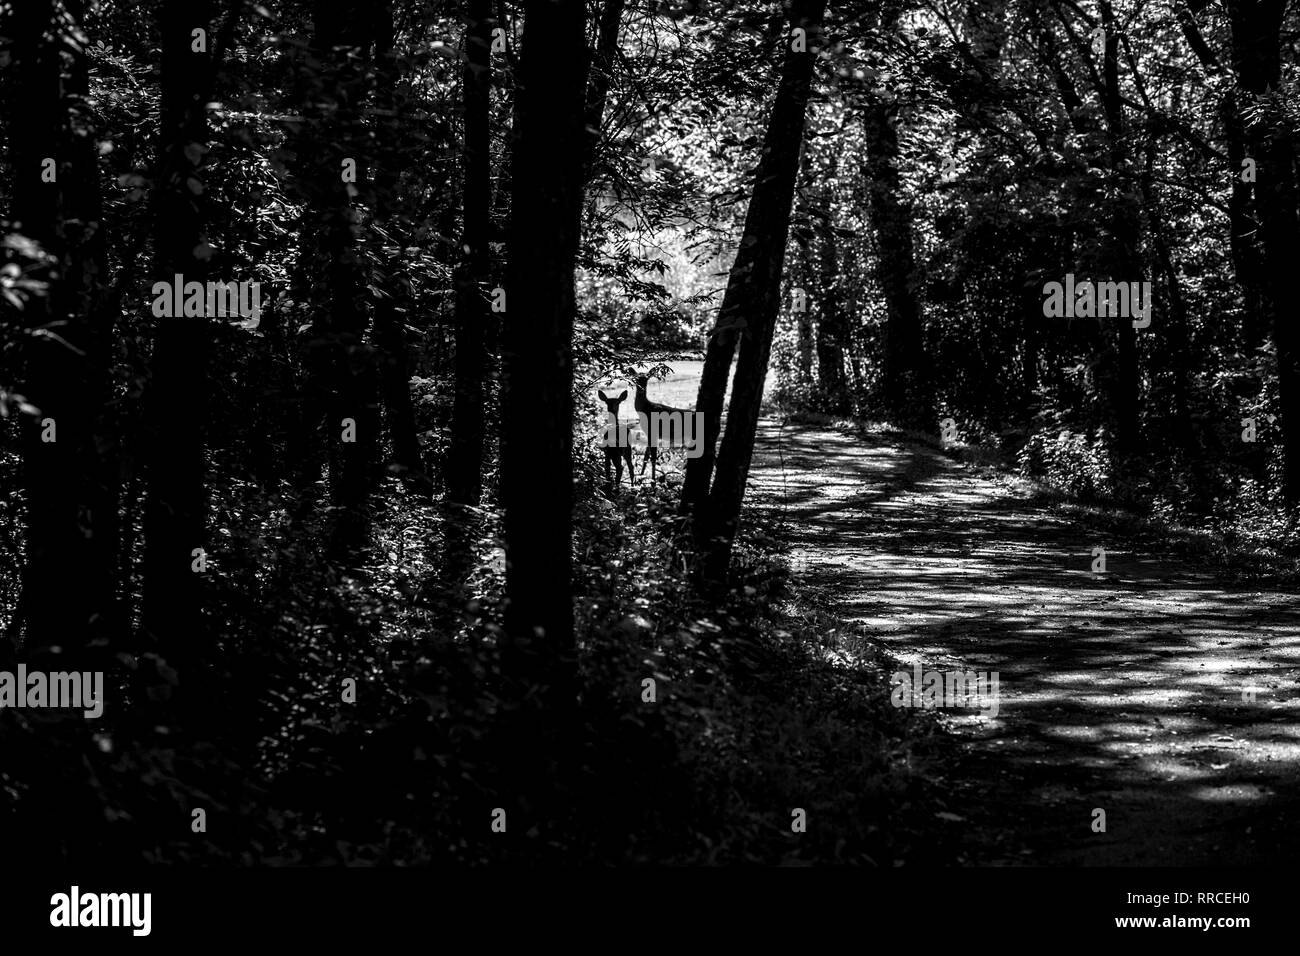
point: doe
(662, 424)
(617, 439)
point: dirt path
(1122, 692)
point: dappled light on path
(1152, 691)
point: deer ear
(622, 395)
(601, 393)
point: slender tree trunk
(1125, 260)
(1243, 224)
(907, 385)
(803, 276)
(61, 584)
(537, 410)
(1175, 332)
(390, 337)
(750, 302)
(908, 388)
(349, 361)
(831, 323)
(175, 521)
(1256, 46)
(807, 334)
(767, 226)
(92, 299)
(602, 73)
(1244, 229)
(1031, 320)
(465, 458)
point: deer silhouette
(616, 437)
(662, 424)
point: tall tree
(752, 290)
(465, 457)
(537, 408)
(832, 325)
(751, 300)
(1257, 61)
(63, 588)
(602, 75)
(341, 330)
(175, 521)
(390, 337)
(908, 389)
(1125, 260)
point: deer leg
(631, 468)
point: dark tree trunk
(908, 388)
(88, 285)
(1243, 225)
(61, 587)
(907, 385)
(390, 337)
(602, 73)
(1175, 333)
(1256, 54)
(751, 300)
(537, 408)
(465, 457)
(1031, 321)
(348, 361)
(767, 225)
(831, 328)
(175, 521)
(1125, 260)
(804, 277)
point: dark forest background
(353, 567)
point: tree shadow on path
(1153, 692)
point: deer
(662, 424)
(617, 439)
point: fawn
(662, 424)
(617, 439)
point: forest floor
(1127, 691)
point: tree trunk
(1125, 261)
(1244, 229)
(602, 73)
(803, 276)
(537, 409)
(465, 457)
(389, 335)
(60, 582)
(349, 365)
(175, 521)
(908, 388)
(831, 324)
(88, 285)
(758, 276)
(752, 296)
(1243, 225)
(1256, 54)
(1175, 332)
